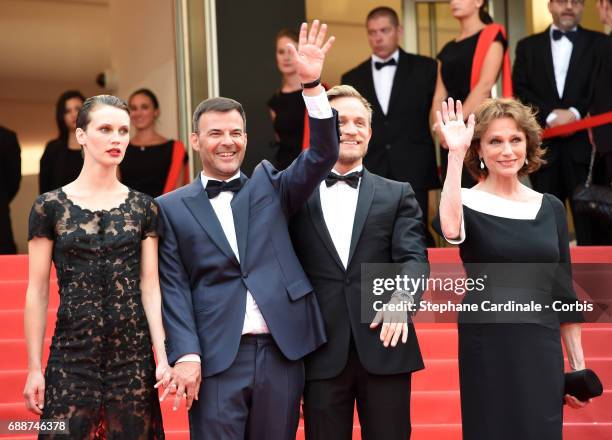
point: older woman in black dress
(102, 238)
(511, 372)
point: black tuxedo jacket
(401, 146)
(10, 177)
(602, 95)
(387, 229)
(534, 84)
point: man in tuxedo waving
(357, 217)
(553, 72)
(238, 310)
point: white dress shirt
(561, 55)
(383, 80)
(254, 322)
(339, 203)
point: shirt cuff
(576, 113)
(551, 117)
(461, 238)
(318, 106)
(192, 357)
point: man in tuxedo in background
(400, 87)
(553, 72)
(237, 306)
(10, 177)
(357, 217)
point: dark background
(246, 32)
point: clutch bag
(583, 384)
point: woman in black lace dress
(102, 238)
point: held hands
(163, 374)
(183, 381)
(310, 53)
(454, 132)
(34, 392)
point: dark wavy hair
(60, 111)
(90, 105)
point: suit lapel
(201, 209)
(316, 215)
(577, 51)
(364, 201)
(240, 209)
(546, 51)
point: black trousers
(256, 398)
(383, 404)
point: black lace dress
(101, 370)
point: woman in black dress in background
(102, 238)
(151, 160)
(511, 370)
(62, 159)
(455, 62)
(286, 105)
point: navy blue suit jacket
(203, 284)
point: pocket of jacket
(298, 289)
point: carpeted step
(12, 323)
(14, 294)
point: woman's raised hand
(456, 133)
(310, 54)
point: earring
(482, 165)
(526, 161)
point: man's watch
(312, 85)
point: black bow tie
(570, 35)
(214, 187)
(351, 179)
(379, 64)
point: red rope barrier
(583, 124)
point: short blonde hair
(525, 119)
(345, 91)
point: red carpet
(436, 412)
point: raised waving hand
(310, 54)
(457, 134)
